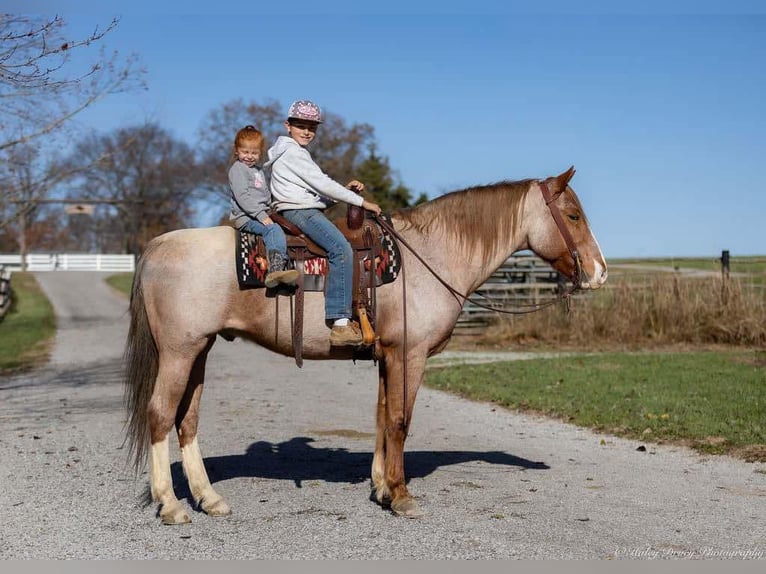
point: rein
(568, 240)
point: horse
(453, 244)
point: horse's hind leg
(186, 424)
(169, 390)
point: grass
(27, 331)
(711, 401)
(121, 282)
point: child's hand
(268, 221)
(370, 206)
(356, 186)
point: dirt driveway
(291, 449)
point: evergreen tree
(381, 185)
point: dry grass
(661, 311)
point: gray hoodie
(299, 183)
(250, 197)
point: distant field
(755, 265)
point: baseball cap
(305, 110)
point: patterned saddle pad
(252, 263)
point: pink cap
(305, 110)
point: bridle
(575, 278)
(559, 219)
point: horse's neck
(455, 262)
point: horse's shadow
(298, 461)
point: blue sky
(659, 107)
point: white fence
(71, 262)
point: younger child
(301, 193)
(251, 201)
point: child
(301, 192)
(250, 204)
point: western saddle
(365, 238)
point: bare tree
(41, 90)
(27, 176)
(149, 178)
(40, 87)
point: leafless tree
(149, 176)
(42, 88)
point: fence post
(725, 263)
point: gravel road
(291, 448)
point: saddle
(377, 261)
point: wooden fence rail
(521, 281)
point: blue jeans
(322, 231)
(273, 236)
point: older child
(251, 202)
(301, 192)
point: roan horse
(185, 293)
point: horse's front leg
(394, 417)
(186, 425)
(379, 486)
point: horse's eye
(573, 217)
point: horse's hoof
(217, 508)
(381, 496)
(407, 508)
(177, 516)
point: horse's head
(560, 234)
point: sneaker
(348, 335)
(287, 277)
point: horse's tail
(141, 361)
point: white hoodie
(299, 183)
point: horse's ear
(563, 179)
(559, 183)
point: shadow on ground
(298, 461)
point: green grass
(121, 282)
(27, 331)
(711, 401)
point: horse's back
(204, 239)
(193, 268)
(191, 250)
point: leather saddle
(367, 242)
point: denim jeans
(323, 232)
(273, 236)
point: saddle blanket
(252, 263)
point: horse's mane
(482, 217)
